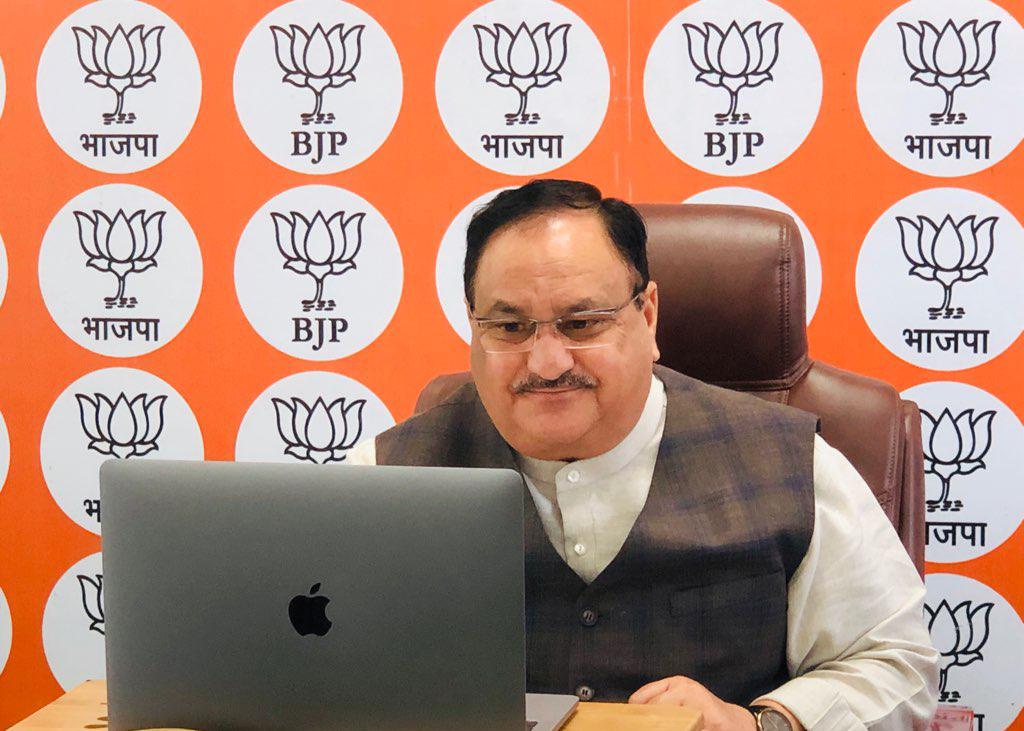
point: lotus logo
(92, 600)
(321, 433)
(119, 61)
(734, 60)
(319, 247)
(958, 634)
(950, 59)
(525, 60)
(122, 428)
(947, 253)
(122, 245)
(954, 446)
(318, 60)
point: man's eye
(512, 326)
(580, 324)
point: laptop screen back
(304, 596)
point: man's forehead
(557, 262)
(551, 296)
(563, 223)
(562, 243)
(508, 307)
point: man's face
(554, 402)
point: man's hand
(680, 691)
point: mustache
(570, 379)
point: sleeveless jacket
(699, 588)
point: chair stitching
(783, 242)
(894, 431)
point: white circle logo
(311, 417)
(3, 98)
(750, 197)
(120, 270)
(119, 413)
(733, 87)
(522, 85)
(3, 271)
(973, 458)
(938, 279)
(118, 86)
(980, 639)
(6, 631)
(939, 85)
(73, 627)
(451, 258)
(318, 272)
(5, 451)
(318, 85)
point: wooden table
(85, 707)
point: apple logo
(308, 614)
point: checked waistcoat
(699, 588)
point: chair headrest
(731, 288)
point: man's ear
(650, 313)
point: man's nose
(549, 358)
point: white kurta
(857, 647)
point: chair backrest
(732, 312)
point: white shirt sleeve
(364, 453)
(858, 649)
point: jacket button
(588, 618)
(585, 693)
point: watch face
(769, 719)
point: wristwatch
(768, 719)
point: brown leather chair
(732, 313)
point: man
(684, 544)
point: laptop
(299, 596)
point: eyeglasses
(577, 330)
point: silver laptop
(272, 596)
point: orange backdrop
(839, 181)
